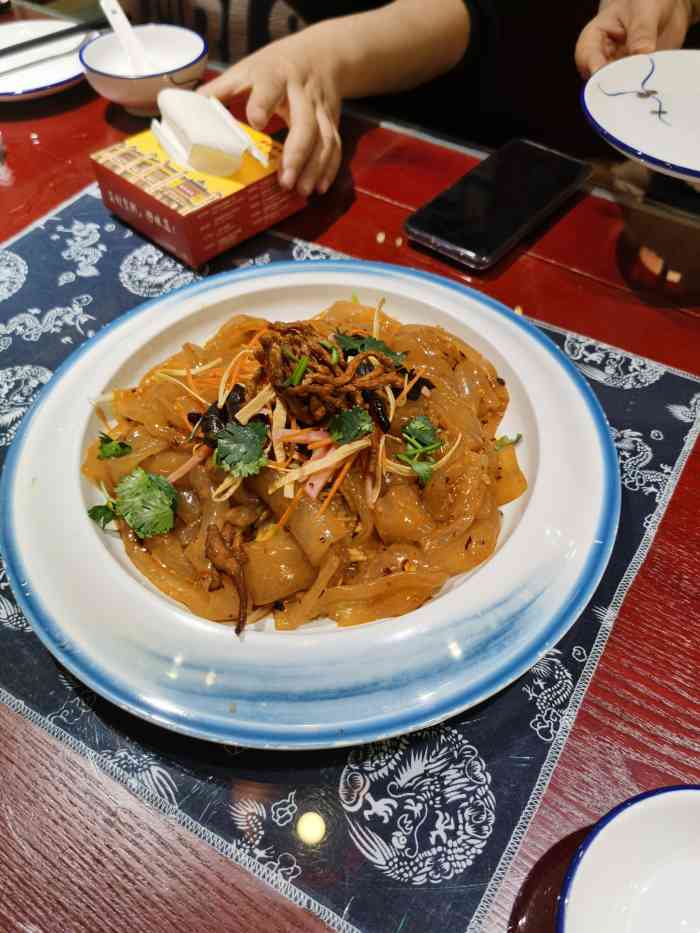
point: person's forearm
(394, 48)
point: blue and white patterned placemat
(418, 832)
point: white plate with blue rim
(638, 868)
(43, 70)
(646, 107)
(311, 688)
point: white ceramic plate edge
(46, 90)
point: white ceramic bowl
(180, 56)
(638, 870)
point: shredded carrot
(316, 445)
(182, 409)
(295, 424)
(297, 433)
(278, 466)
(290, 508)
(337, 483)
(409, 385)
(243, 368)
(190, 380)
(196, 458)
(192, 392)
(256, 338)
(213, 377)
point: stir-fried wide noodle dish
(342, 467)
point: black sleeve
(481, 24)
(315, 10)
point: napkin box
(190, 214)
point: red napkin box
(190, 214)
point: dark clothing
(518, 77)
(432, 104)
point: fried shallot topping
(224, 549)
(316, 382)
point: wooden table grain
(79, 853)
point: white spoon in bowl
(135, 52)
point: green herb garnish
(505, 441)
(349, 425)
(420, 432)
(422, 439)
(351, 344)
(299, 370)
(424, 470)
(332, 349)
(110, 448)
(239, 448)
(147, 503)
(102, 514)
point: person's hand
(631, 27)
(289, 79)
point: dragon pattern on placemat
(18, 388)
(420, 809)
(13, 273)
(610, 366)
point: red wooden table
(79, 853)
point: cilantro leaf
(422, 439)
(420, 432)
(110, 448)
(349, 425)
(505, 441)
(102, 514)
(147, 503)
(424, 470)
(239, 448)
(351, 344)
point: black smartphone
(497, 203)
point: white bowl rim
(151, 74)
(597, 829)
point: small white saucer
(646, 106)
(41, 71)
(638, 871)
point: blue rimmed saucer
(637, 870)
(646, 107)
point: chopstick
(41, 61)
(90, 26)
